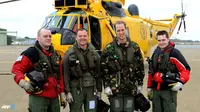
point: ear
(38, 38)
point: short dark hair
(119, 22)
(81, 29)
(162, 32)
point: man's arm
(66, 73)
(99, 77)
(139, 69)
(104, 67)
(61, 78)
(23, 63)
(181, 64)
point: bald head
(44, 38)
(41, 30)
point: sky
(27, 16)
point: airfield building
(3, 37)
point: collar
(169, 47)
(126, 44)
(46, 52)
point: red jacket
(177, 59)
(26, 61)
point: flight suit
(166, 67)
(82, 77)
(123, 71)
(48, 62)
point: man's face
(82, 37)
(44, 38)
(163, 41)
(120, 31)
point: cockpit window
(70, 27)
(46, 21)
(66, 21)
(51, 22)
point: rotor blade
(184, 25)
(185, 8)
(8, 1)
(182, 6)
(179, 26)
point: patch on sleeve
(19, 58)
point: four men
(168, 72)
(39, 71)
(123, 70)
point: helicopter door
(95, 33)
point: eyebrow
(161, 40)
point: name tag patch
(19, 58)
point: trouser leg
(38, 104)
(169, 100)
(54, 105)
(78, 97)
(90, 102)
(128, 103)
(157, 102)
(116, 103)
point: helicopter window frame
(67, 21)
(69, 26)
(54, 22)
(47, 21)
(84, 21)
(74, 23)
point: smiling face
(44, 38)
(163, 41)
(121, 31)
(82, 37)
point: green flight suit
(123, 71)
(164, 100)
(82, 77)
(42, 104)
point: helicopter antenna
(182, 19)
(8, 1)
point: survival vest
(48, 65)
(83, 65)
(122, 57)
(161, 63)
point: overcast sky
(27, 16)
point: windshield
(66, 25)
(51, 22)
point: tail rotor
(182, 19)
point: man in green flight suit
(123, 70)
(82, 78)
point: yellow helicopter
(98, 17)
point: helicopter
(98, 18)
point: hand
(139, 89)
(63, 101)
(98, 95)
(158, 78)
(108, 91)
(177, 86)
(69, 98)
(26, 85)
(150, 94)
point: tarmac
(16, 100)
